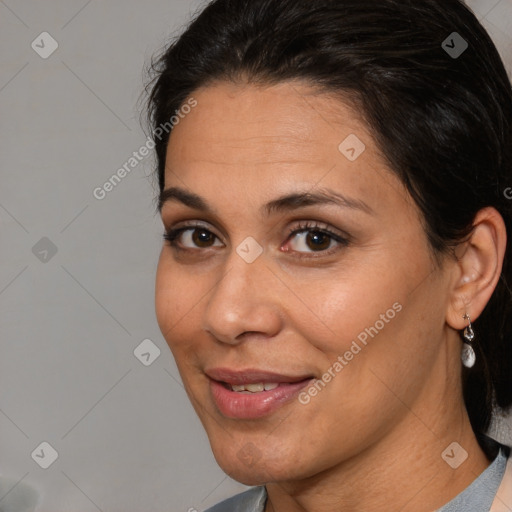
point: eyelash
(172, 235)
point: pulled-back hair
(443, 121)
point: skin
(381, 424)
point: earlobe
(478, 268)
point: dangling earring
(468, 354)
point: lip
(237, 405)
(251, 376)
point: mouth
(251, 394)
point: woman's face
(255, 289)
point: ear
(478, 268)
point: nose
(244, 300)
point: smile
(252, 394)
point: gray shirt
(477, 497)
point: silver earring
(468, 356)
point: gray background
(126, 436)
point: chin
(256, 475)
(251, 477)
(251, 466)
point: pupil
(317, 237)
(201, 236)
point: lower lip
(233, 404)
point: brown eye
(202, 237)
(311, 240)
(191, 238)
(317, 240)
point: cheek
(344, 306)
(172, 298)
(165, 299)
(180, 298)
(381, 347)
(367, 323)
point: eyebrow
(283, 203)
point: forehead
(262, 141)
(285, 121)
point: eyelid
(191, 224)
(316, 226)
(170, 235)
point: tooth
(254, 388)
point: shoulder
(252, 500)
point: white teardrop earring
(468, 356)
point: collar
(503, 500)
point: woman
(333, 284)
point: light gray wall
(126, 436)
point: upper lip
(251, 376)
